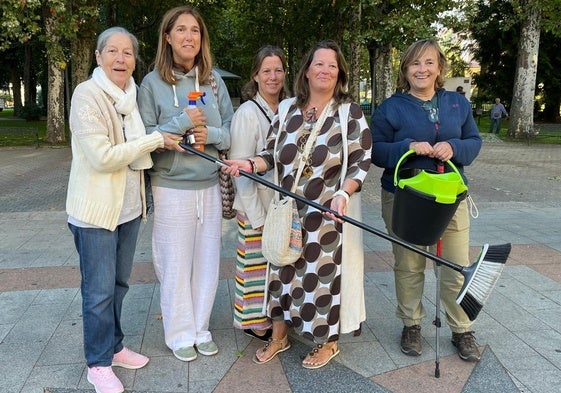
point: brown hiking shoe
(411, 340)
(467, 346)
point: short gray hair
(104, 36)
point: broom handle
(439, 169)
(437, 322)
(324, 209)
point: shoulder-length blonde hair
(251, 88)
(301, 85)
(415, 51)
(164, 55)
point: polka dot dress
(307, 294)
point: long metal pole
(324, 209)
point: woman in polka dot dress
(309, 295)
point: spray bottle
(193, 97)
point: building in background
(453, 83)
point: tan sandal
(282, 345)
(320, 347)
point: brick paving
(515, 187)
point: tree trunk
(16, 90)
(354, 74)
(29, 79)
(522, 108)
(372, 54)
(82, 54)
(55, 100)
(385, 85)
(55, 105)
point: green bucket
(425, 202)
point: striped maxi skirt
(251, 271)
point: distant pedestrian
(497, 112)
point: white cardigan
(100, 157)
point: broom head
(481, 277)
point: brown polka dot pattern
(307, 294)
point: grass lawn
(548, 133)
(7, 120)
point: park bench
(480, 111)
(30, 134)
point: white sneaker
(104, 380)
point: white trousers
(186, 252)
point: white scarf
(125, 104)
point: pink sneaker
(104, 380)
(129, 359)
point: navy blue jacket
(401, 119)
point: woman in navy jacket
(439, 126)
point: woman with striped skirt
(249, 129)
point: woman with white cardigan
(106, 199)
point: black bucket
(419, 215)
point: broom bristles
(481, 277)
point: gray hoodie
(161, 107)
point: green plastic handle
(412, 151)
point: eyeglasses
(433, 112)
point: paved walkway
(516, 189)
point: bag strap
(261, 108)
(309, 143)
(284, 106)
(282, 111)
(311, 139)
(214, 86)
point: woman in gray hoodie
(187, 200)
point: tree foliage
(20, 21)
(371, 33)
(495, 27)
(390, 26)
(496, 46)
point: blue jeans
(494, 122)
(106, 259)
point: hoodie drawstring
(175, 100)
(200, 204)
